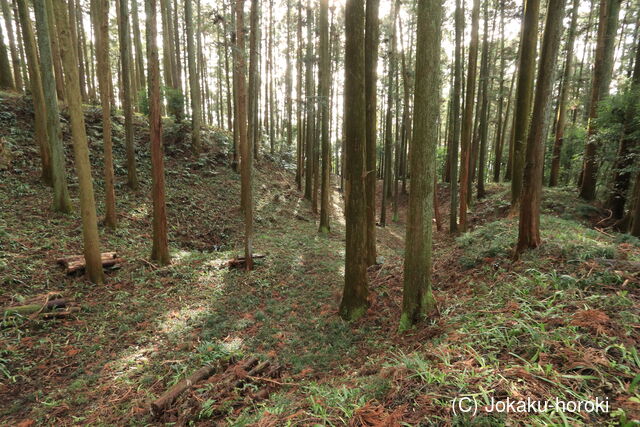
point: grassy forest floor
(560, 322)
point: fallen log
(59, 314)
(619, 264)
(25, 310)
(76, 263)
(164, 401)
(239, 262)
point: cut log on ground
(77, 263)
(162, 403)
(239, 262)
(620, 264)
(25, 310)
(59, 314)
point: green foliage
(143, 102)
(565, 239)
(175, 103)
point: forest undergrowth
(561, 322)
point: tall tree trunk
(245, 143)
(80, 147)
(61, 200)
(73, 27)
(101, 27)
(23, 61)
(288, 83)
(529, 224)
(299, 102)
(562, 102)
(325, 108)
(137, 43)
(15, 57)
(484, 109)
(602, 69)
(354, 298)
(160, 248)
(498, 146)
(6, 78)
(467, 120)
(310, 105)
(371, 65)
(254, 66)
(388, 137)
(455, 112)
(194, 83)
(125, 62)
(271, 100)
(36, 92)
(524, 93)
(417, 298)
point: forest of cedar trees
(319, 212)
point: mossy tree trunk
(529, 225)
(417, 298)
(80, 147)
(61, 200)
(524, 93)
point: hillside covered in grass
(562, 322)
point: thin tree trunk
(484, 110)
(137, 43)
(36, 92)
(160, 248)
(562, 107)
(15, 57)
(125, 62)
(194, 83)
(101, 27)
(371, 65)
(310, 105)
(457, 93)
(467, 121)
(325, 108)
(498, 144)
